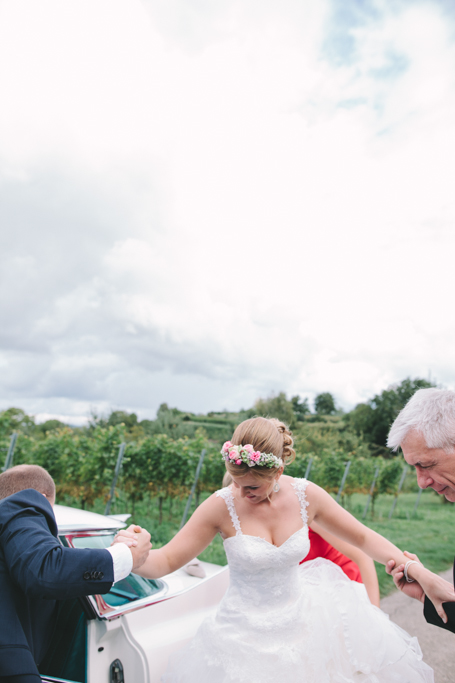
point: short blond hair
(23, 477)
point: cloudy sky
(206, 202)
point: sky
(205, 203)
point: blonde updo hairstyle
(267, 435)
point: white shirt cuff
(122, 559)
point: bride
(280, 621)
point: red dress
(321, 548)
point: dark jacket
(433, 617)
(35, 571)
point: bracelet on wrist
(405, 571)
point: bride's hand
(437, 590)
(138, 541)
(412, 590)
(128, 536)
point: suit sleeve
(41, 566)
(433, 617)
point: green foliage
(300, 408)
(360, 477)
(299, 467)
(428, 533)
(177, 424)
(291, 412)
(83, 463)
(275, 406)
(374, 418)
(49, 426)
(389, 476)
(120, 417)
(331, 472)
(322, 437)
(24, 449)
(212, 471)
(324, 404)
(15, 420)
(161, 455)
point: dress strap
(226, 495)
(300, 489)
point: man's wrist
(122, 559)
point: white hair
(431, 412)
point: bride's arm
(195, 536)
(331, 516)
(365, 563)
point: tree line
(161, 455)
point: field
(430, 532)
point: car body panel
(72, 519)
(141, 632)
(168, 625)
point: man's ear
(51, 500)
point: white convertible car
(126, 635)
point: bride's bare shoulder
(313, 492)
(294, 481)
(214, 506)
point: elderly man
(425, 430)
(36, 570)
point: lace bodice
(299, 487)
(281, 621)
(226, 495)
(259, 569)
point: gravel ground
(438, 645)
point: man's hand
(412, 590)
(138, 541)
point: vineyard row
(83, 466)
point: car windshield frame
(101, 608)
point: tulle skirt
(330, 633)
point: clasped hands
(427, 584)
(138, 541)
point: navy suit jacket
(35, 571)
(433, 617)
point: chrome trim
(90, 533)
(73, 519)
(98, 603)
(115, 612)
(157, 597)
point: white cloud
(202, 207)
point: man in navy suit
(425, 430)
(36, 570)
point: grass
(147, 515)
(430, 533)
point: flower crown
(247, 454)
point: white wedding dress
(284, 622)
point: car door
(129, 633)
(141, 622)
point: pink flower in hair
(233, 454)
(238, 462)
(248, 448)
(227, 445)
(256, 456)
